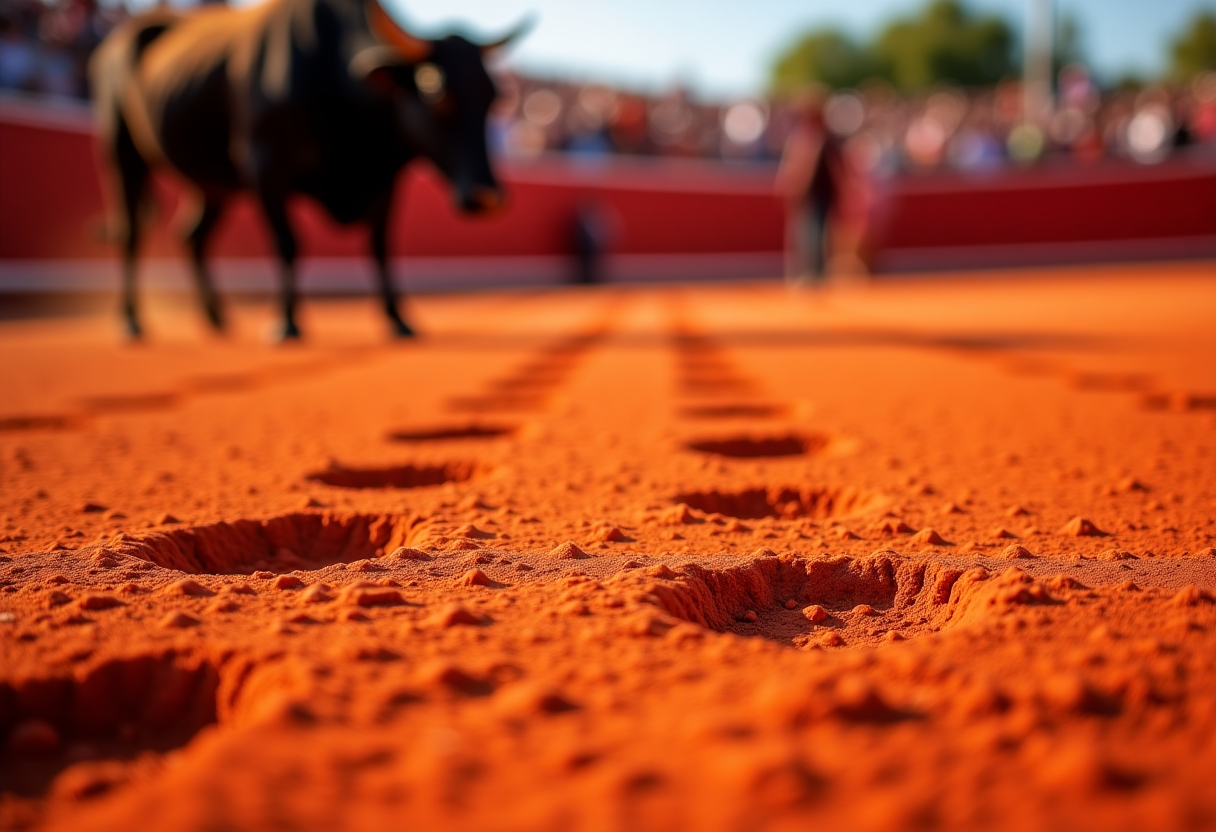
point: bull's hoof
(215, 317)
(286, 334)
(131, 330)
(403, 330)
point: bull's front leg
(196, 241)
(130, 300)
(275, 208)
(388, 293)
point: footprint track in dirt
(453, 432)
(285, 543)
(1179, 402)
(40, 422)
(704, 372)
(98, 718)
(757, 447)
(734, 410)
(788, 502)
(1145, 386)
(529, 387)
(394, 476)
(117, 706)
(498, 403)
(130, 403)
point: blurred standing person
(810, 178)
(592, 229)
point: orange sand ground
(925, 554)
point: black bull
(327, 98)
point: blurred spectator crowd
(883, 131)
(45, 45)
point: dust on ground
(930, 554)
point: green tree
(1194, 51)
(945, 43)
(823, 56)
(942, 43)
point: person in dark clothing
(593, 228)
(810, 179)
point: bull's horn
(522, 28)
(414, 48)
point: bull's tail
(113, 79)
(112, 69)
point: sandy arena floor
(934, 554)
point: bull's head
(444, 95)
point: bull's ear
(522, 28)
(414, 48)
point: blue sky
(722, 47)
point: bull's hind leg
(196, 240)
(388, 293)
(133, 174)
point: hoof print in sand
(16, 424)
(748, 447)
(499, 402)
(274, 546)
(1109, 382)
(450, 433)
(732, 411)
(119, 709)
(714, 385)
(1180, 402)
(133, 403)
(398, 476)
(221, 383)
(833, 602)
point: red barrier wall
(51, 209)
(51, 206)
(1058, 212)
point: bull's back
(224, 80)
(185, 90)
(223, 85)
